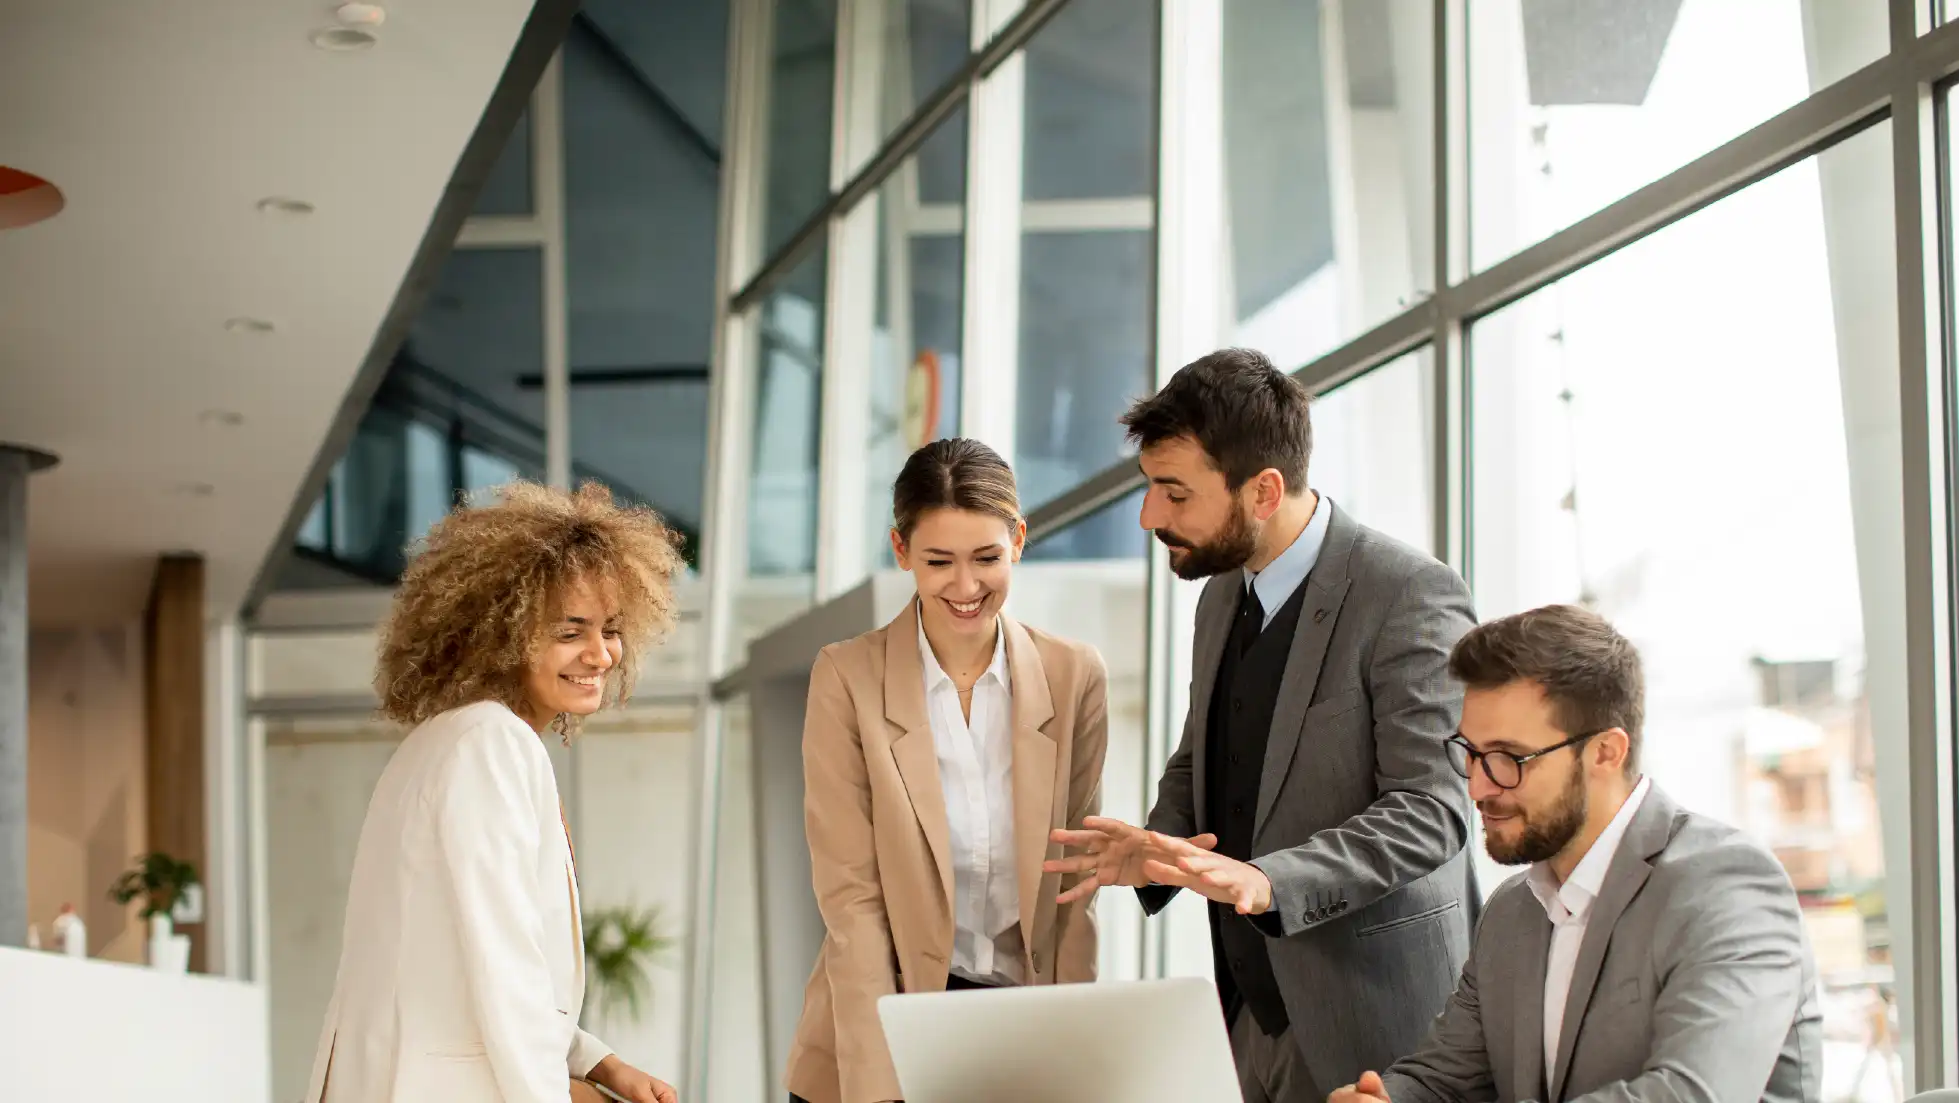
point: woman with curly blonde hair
(462, 961)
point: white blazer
(462, 963)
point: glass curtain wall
(569, 336)
(1604, 303)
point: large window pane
(1698, 438)
(1574, 105)
(460, 408)
(801, 91)
(507, 188)
(1086, 254)
(782, 496)
(479, 345)
(924, 44)
(920, 316)
(1112, 532)
(1374, 448)
(1084, 353)
(642, 180)
(1104, 602)
(1091, 102)
(1327, 159)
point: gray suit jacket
(1360, 823)
(1693, 983)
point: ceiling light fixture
(355, 31)
(355, 14)
(279, 204)
(342, 40)
(248, 325)
(228, 419)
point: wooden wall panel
(173, 690)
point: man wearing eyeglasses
(1648, 953)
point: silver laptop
(1118, 1042)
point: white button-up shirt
(976, 773)
(1570, 906)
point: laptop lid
(1116, 1042)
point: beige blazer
(880, 845)
(462, 966)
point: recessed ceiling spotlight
(355, 31)
(342, 39)
(248, 325)
(279, 204)
(194, 490)
(228, 419)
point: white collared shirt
(976, 773)
(1282, 577)
(1570, 906)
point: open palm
(1110, 852)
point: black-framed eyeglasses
(1505, 770)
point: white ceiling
(165, 125)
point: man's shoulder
(1512, 895)
(1385, 575)
(1704, 856)
(1386, 562)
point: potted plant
(160, 881)
(621, 945)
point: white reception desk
(84, 1029)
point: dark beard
(1229, 550)
(1543, 840)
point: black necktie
(1251, 621)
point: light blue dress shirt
(1281, 577)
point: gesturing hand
(1115, 853)
(1369, 1089)
(1173, 861)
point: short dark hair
(1245, 413)
(955, 473)
(1589, 672)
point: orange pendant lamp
(26, 199)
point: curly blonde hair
(476, 602)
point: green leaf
(621, 945)
(158, 879)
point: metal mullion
(548, 162)
(850, 287)
(989, 371)
(1931, 57)
(1184, 322)
(1450, 428)
(1826, 117)
(1928, 612)
(722, 556)
(1837, 113)
(902, 143)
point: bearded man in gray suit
(1311, 800)
(1649, 953)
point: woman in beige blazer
(938, 753)
(462, 964)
